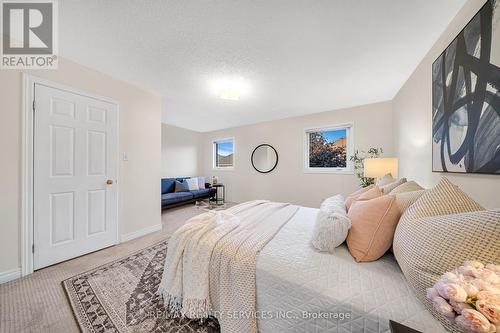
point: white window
(328, 149)
(223, 153)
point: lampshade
(379, 167)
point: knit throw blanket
(211, 263)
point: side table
(220, 194)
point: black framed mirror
(264, 158)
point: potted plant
(358, 158)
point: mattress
(301, 290)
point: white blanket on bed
(211, 262)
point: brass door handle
(109, 182)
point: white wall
(140, 137)
(413, 120)
(288, 182)
(181, 152)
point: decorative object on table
(358, 165)
(220, 194)
(214, 180)
(469, 297)
(400, 328)
(465, 102)
(264, 158)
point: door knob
(109, 181)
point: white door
(75, 172)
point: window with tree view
(328, 149)
(224, 153)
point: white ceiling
(299, 57)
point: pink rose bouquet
(469, 297)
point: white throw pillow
(332, 225)
(192, 184)
(386, 180)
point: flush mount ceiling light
(230, 88)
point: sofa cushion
(171, 198)
(167, 185)
(180, 187)
(201, 193)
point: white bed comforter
(296, 284)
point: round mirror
(264, 158)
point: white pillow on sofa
(192, 184)
(332, 225)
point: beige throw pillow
(430, 241)
(428, 247)
(386, 189)
(350, 199)
(373, 224)
(445, 198)
(406, 199)
(407, 187)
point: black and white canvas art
(466, 98)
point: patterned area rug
(121, 297)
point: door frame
(27, 156)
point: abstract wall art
(466, 98)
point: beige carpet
(38, 303)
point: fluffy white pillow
(192, 184)
(386, 180)
(332, 225)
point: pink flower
(474, 263)
(458, 307)
(469, 288)
(487, 275)
(474, 321)
(451, 291)
(489, 310)
(493, 267)
(489, 296)
(483, 285)
(443, 307)
(467, 270)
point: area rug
(121, 297)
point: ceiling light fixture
(230, 88)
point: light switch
(125, 157)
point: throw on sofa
(170, 198)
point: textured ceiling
(299, 57)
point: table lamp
(379, 167)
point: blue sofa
(170, 198)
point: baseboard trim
(141, 232)
(10, 275)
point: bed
(302, 290)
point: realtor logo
(29, 34)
